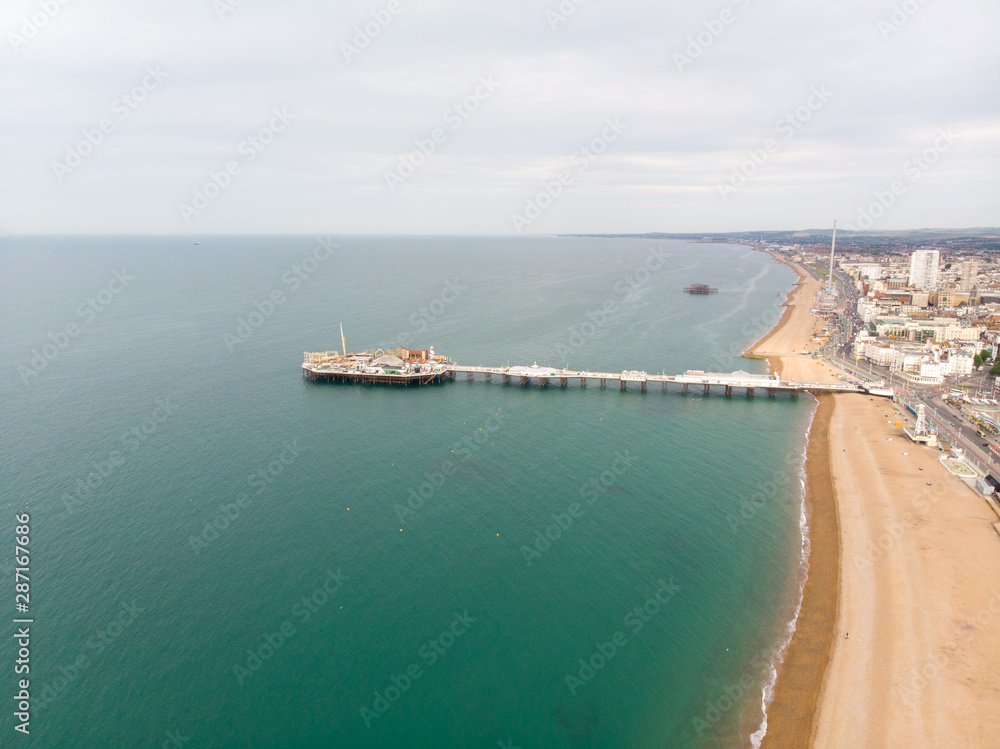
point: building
(883, 356)
(867, 310)
(417, 355)
(968, 274)
(957, 333)
(953, 298)
(861, 341)
(958, 365)
(870, 270)
(939, 330)
(924, 269)
(929, 373)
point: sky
(497, 116)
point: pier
(704, 383)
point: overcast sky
(697, 94)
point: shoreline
(802, 664)
(751, 352)
(777, 659)
(790, 699)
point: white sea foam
(767, 694)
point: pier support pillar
(750, 393)
(543, 382)
(708, 390)
(664, 387)
(562, 382)
(729, 389)
(603, 383)
(643, 386)
(684, 389)
(506, 379)
(583, 382)
(469, 376)
(525, 380)
(795, 393)
(451, 374)
(772, 392)
(622, 384)
(489, 376)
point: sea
(224, 554)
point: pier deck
(544, 376)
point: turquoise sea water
(159, 414)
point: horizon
(637, 234)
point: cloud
(687, 127)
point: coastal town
(923, 322)
(898, 628)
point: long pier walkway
(703, 381)
(544, 376)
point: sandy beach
(903, 559)
(783, 347)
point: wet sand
(800, 676)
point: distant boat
(197, 243)
(700, 288)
